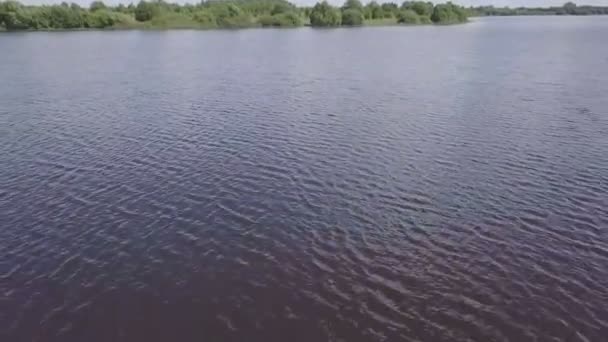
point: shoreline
(193, 28)
(158, 15)
(233, 14)
(371, 23)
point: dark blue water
(372, 184)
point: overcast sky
(512, 3)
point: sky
(511, 3)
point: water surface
(370, 184)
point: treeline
(568, 8)
(410, 12)
(222, 14)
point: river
(423, 183)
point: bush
(65, 17)
(14, 16)
(238, 21)
(408, 17)
(353, 4)
(390, 10)
(230, 15)
(267, 20)
(449, 13)
(222, 10)
(99, 19)
(323, 14)
(374, 11)
(281, 7)
(146, 11)
(290, 19)
(352, 17)
(425, 19)
(97, 5)
(20, 19)
(420, 7)
(106, 18)
(204, 18)
(173, 20)
(125, 21)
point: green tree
(353, 4)
(97, 5)
(230, 15)
(13, 16)
(448, 13)
(100, 18)
(205, 18)
(4, 14)
(290, 19)
(374, 10)
(420, 7)
(9, 6)
(307, 11)
(323, 14)
(64, 17)
(390, 9)
(408, 16)
(145, 11)
(570, 8)
(281, 7)
(352, 17)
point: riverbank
(15, 16)
(568, 8)
(378, 24)
(372, 23)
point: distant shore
(228, 14)
(232, 14)
(383, 23)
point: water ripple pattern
(373, 184)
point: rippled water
(373, 184)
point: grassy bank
(381, 22)
(212, 14)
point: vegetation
(416, 12)
(323, 14)
(407, 16)
(448, 13)
(568, 8)
(421, 8)
(158, 14)
(352, 17)
(289, 19)
(353, 4)
(352, 13)
(373, 11)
